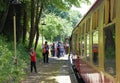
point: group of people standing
(57, 49)
(45, 52)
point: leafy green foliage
(3, 5)
(56, 26)
(71, 15)
(66, 4)
(9, 71)
(57, 23)
(74, 16)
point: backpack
(44, 50)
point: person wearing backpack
(45, 52)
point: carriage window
(76, 43)
(97, 15)
(83, 28)
(109, 50)
(95, 20)
(73, 43)
(107, 11)
(95, 47)
(88, 47)
(82, 46)
(112, 9)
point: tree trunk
(37, 37)
(36, 24)
(24, 25)
(32, 30)
(3, 19)
(19, 28)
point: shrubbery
(9, 72)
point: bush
(9, 72)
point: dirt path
(56, 71)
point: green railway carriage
(96, 40)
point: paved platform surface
(58, 70)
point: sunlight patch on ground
(62, 79)
(65, 57)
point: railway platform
(58, 70)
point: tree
(59, 4)
(32, 29)
(4, 7)
(22, 14)
(39, 13)
(26, 19)
(56, 26)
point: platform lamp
(14, 3)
